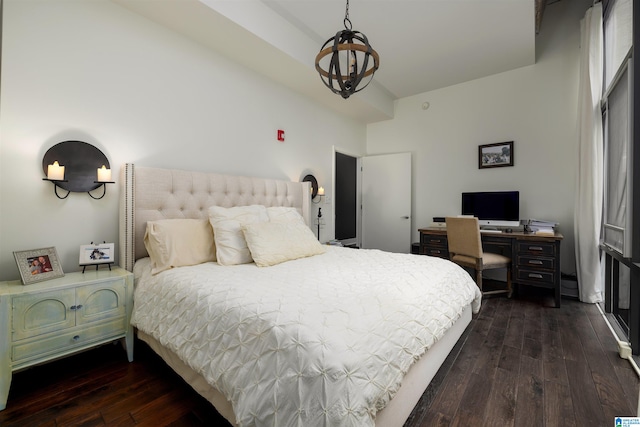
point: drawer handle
(535, 248)
(76, 337)
(535, 275)
(535, 261)
(434, 241)
(435, 251)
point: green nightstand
(47, 320)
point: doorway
(346, 198)
(372, 207)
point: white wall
(95, 72)
(533, 106)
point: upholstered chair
(465, 249)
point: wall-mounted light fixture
(76, 166)
(315, 190)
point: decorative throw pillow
(231, 247)
(179, 242)
(284, 214)
(271, 243)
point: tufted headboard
(149, 194)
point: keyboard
(490, 231)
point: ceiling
(423, 44)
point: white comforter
(319, 341)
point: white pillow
(284, 214)
(179, 242)
(271, 243)
(231, 248)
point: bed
(324, 336)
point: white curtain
(589, 197)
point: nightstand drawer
(536, 262)
(58, 343)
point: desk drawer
(434, 245)
(537, 248)
(533, 262)
(439, 252)
(432, 240)
(536, 277)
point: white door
(386, 202)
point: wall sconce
(76, 166)
(315, 190)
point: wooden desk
(535, 258)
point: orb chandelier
(348, 58)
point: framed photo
(495, 155)
(37, 265)
(102, 253)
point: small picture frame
(495, 155)
(37, 265)
(93, 254)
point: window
(617, 108)
(618, 165)
(621, 127)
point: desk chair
(465, 249)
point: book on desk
(541, 227)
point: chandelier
(348, 58)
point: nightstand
(47, 320)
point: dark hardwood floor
(520, 363)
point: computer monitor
(493, 208)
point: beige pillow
(271, 243)
(227, 223)
(179, 242)
(284, 214)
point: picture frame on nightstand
(37, 265)
(94, 254)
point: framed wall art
(495, 155)
(36, 265)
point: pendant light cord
(346, 18)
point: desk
(535, 259)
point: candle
(321, 191)
(55, 172)
(104, 174)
